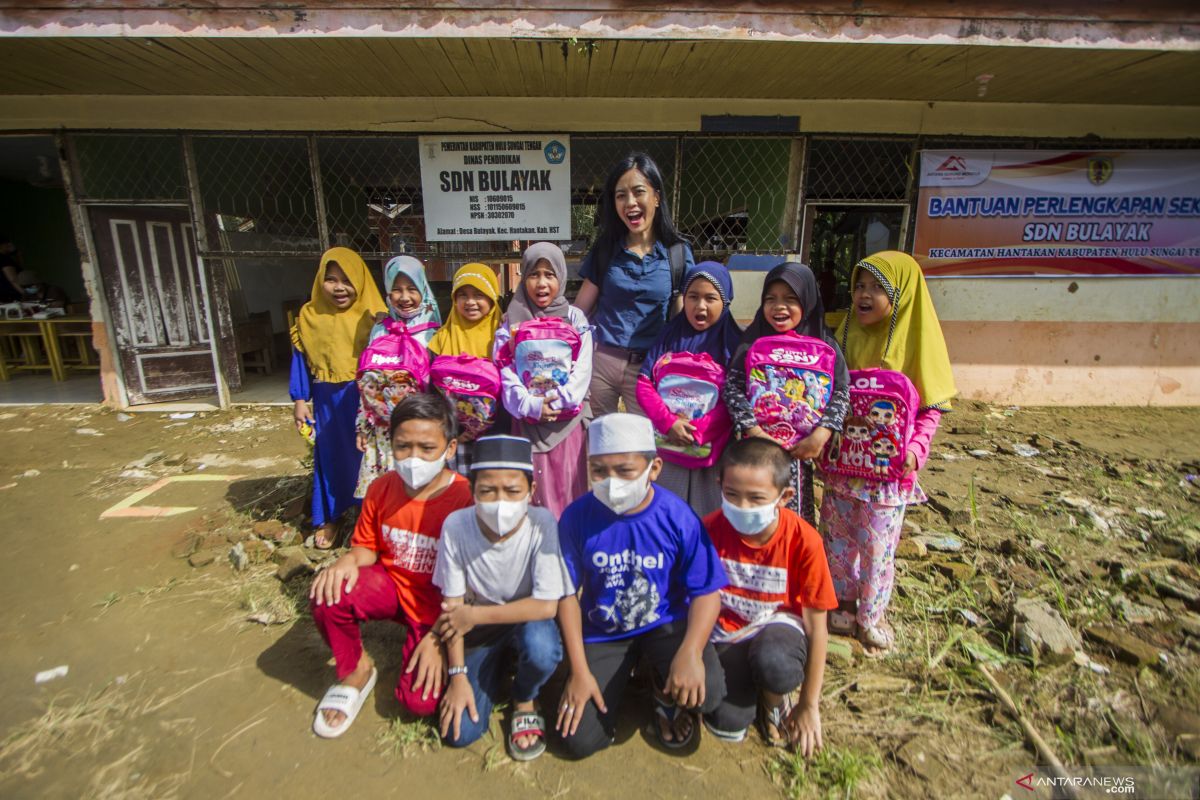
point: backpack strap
(678, 262)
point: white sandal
(345, 699)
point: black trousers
(611, 663)
(773, 660)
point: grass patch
(264, 599)
(832, 773)
(403, 739)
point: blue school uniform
(636, 571)
(635, 291)
(336, 457)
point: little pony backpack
(690, 386)
(874, 441)
(391, 368)
(472, 386)
(789, 380)
(543, 352)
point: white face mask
(417, 472)
(410, 315)
(620, 494)
(753, 520)
(503, 516)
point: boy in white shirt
(501, 573)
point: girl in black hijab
(789, 290)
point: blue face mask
(753, 520)
(31, 290)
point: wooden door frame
(97, 292)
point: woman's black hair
(424, 406)
(611, 226)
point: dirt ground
(200, 681)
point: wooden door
(147, 263)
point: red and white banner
(1023, 212)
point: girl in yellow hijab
(331, 331)
(892, 325)
(474, 317)
(471, 330)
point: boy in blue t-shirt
(648, 580)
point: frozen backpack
(690, 385)
(789, 379)
(391, 368)
(874, 441)
(472, 386)
(542, 352)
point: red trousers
(373, 597)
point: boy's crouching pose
(501, 572)
(388, 573)
(648, 579)
(771, 634)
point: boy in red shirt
(388, 573)
(771, 634)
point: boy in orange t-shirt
(771, 634)
(388, 573)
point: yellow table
(52, 333)
(17, 337)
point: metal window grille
(134, 168)
(858, 169)
(257, 194)
(264, 194)
(734, 194)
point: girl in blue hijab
(707, 327)
(410, 300)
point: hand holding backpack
(789, 380)
(690, 386)
(472, 385)
(874, 442)
(542, 351)
(391, 368)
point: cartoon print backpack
(690, 385)
(874, 441)
(473, 387)
(789, 379)
(542, 353)
(391, 368)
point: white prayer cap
(620, 433)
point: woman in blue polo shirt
(627, 288)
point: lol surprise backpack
(542, 352)
(391, 368)
(473, 387)
(789, 379)
(874, 442)
(690, 386)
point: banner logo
(1099, 170)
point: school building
(178, 168)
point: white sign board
(492, 188)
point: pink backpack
(542, 352)
(690, 385)
(789, 379)
(473, 388)
(391, 368)
(874, 441)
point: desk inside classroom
(35, 345)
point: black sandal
(669, 712)
(527, 723)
